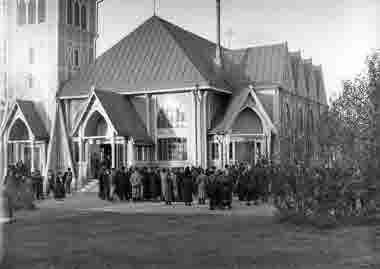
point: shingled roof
(157, 55)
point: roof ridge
(282, 44)
(162, 24)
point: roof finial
(154, 7)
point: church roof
(157, 55)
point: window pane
(76, 14)
(84, 17)
(32, 12)
(21, 11)
(41, 11)
(69, 11)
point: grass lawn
(112, 240)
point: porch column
(227, 147)
(130, 152)
(125, 155)
(234, 151)
(113, 151)
(32, 144)
(199, 127)
(255, 150)
(80, 164)
(268, 147)
(204, 133)
(194, 143)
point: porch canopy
(109, 114)
(24, 135)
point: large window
(69, 11)
(41, 11)
(172, 111)
(84, 17)
(172, 149)
(214, 151)
(21, 12)
(76, 14)
(31, 56)
(76, 58)
(144, 153)
(32, 12)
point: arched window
(76, 14)
(84, 17)
(69, 11)
(21, 12)
(32, 12)
(41, 11)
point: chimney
(218, 56)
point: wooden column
(148, 113)
(227, 147)
(80, 163)
(194, 142)
(204, 133)
(199, 127)
(113, 151)
(125, 153)
(32, 145)
(130, 152)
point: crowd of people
(218, 186)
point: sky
(338, 34)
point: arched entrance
(21, 146)
(247, 133)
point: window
(31, 56)
(214, 151)
(21, 13)
(171, 117)
(172, 149)
(76, 14)
(91, 56)
(76, 57)
(144, 153)
(69, 11)
(84, 18)
(30, 82)
(231, 151)
(41, 11)
(32, 12)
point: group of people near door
(186, 184)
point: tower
(44, 43)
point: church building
(162, 96)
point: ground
(86, 233)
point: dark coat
(188, 189)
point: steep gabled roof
(236, 105)
(157, 55)
(31, 116)
(263, 63)
(122, 114)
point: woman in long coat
(136, 182)
(169, 188)
(10, 193)
(164, 186)
(201, 183)
(188, 187)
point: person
(201, 183)
(211, 189)
(101, 175)
(179, 176)
(10, 193)
(169, 188)
(50, 183)
(188, 186)
(114, 186)
(37, 185)
(164, 189)
(250, 182)
(173, 177)
(59, 187)
(68, 178)
(107, 184)
(136, 182)
(124, 184)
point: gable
(157, 55)
(247, 122)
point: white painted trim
(143, 92)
